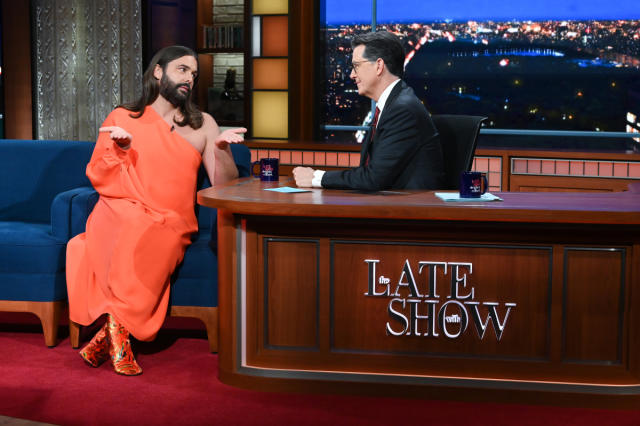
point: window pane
(340, 101)
(548, 64)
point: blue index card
(287, 189)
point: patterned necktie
(375, 123)
(373, 132)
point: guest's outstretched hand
(230, 136)
(118, 135)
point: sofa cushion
(33, 287)
(196, 277)
(30, 248)
(32, 263)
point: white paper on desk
(287, 189)
(455, 196)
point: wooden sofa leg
(208, 315)
(50, 319)
(74, 334)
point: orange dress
(140, 227)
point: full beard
(172, 93)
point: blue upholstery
(38, 182)
(195, 282)
(45, 200)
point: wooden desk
(536, 296)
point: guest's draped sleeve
(112, 170)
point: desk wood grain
(296, 309)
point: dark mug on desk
(268, 169)
(473, 184)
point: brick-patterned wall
(499, 168)
(228, 12)
(492, 166)
(222, 62)
(574, 168)
(292, 157)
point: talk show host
(403, 149)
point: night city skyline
(339, 12)
(548, 74)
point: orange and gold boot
(97, 350)
(120, 349)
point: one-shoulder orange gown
(140, 227)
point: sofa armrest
(242, 158)
(70, 210)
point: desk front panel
(499, 305)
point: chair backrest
(458, 137)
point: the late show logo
(267, 170)
(423, 312)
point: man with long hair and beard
(144, 167)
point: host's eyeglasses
(355, 65)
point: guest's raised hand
(230, 136)
(118, 135)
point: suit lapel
(366, 146)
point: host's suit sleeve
(396, 142)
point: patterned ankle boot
(120, 349)
(97, 350)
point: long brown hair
(191, 115)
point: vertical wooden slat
(303, 75)
(16, 70)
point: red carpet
(180, 387)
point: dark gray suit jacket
(405, 152)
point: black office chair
(458, 136)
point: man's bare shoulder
(208, 121)
(209, 125)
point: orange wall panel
(271, 74)
(275, 36)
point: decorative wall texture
(87, 61)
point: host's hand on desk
(230, 136)
(303, 176)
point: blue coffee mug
(473, 184)
(268, 169)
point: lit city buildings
(574, 75)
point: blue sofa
(39, 183)
(45, 199)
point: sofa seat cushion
(30, 248)
(33, 287)
(32, 263)
(191, 284)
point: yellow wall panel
(270, 114)
(270, 7)
(271, 74)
